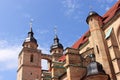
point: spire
(56, 39)
(56, 43)
(30, 33)
(31, 20)
(30, 37)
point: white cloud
(8, 56)
(3, 43)
(71, 6)
(105, 4)
(44, 64)
(44, 32)
(44, 50)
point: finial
(92, 56)
(55, 30)
(91, 8)
(31, 20)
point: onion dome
(94, 67)
(91, 13)
(56, 44)
(30, 37)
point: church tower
(29, 59)
(56, 49)
(101, 51)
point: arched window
(31, 58)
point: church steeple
(30, 33)
(30, 41)
(56, 45)
(29, 66)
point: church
(95, 56)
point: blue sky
(69, 16)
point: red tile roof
(111, 12)
(62, 58)
(81, 41)
(106, 17)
